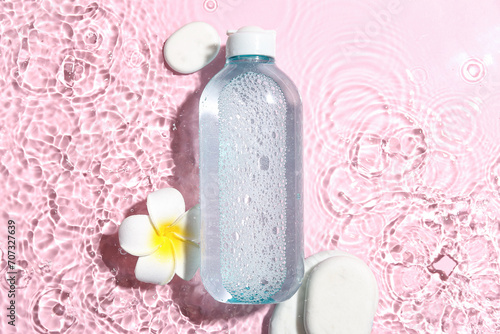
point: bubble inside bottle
(252, 168)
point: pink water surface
(402, 155)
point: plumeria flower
(166, 241)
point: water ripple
(342, 192)
(402, 161)
(453, 122)
(52, 311)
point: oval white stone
(191, 47)
(288, 315)
(341, 297)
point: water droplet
(418, 76)
(91, 37)
(210, 5)
(473, 71)
(58, 309)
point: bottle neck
(250, 59)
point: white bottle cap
(251, 40)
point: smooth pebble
(191, 47)
(288, 315)
(341, 297)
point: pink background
(402, 155)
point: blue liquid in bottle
(251, 176)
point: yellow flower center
(168, 238)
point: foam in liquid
(252, 187)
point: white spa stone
(341, 297)
(191, 47)
(288, 316)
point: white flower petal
(157, 268)
(189, 224)
(165, 206)
(137, 235)
(187, 258)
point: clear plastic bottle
(251, 176)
